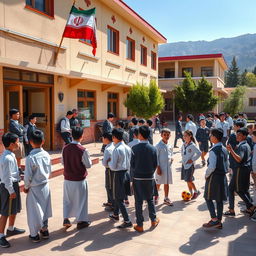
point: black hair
(134, 120)
(243, 131)
(107, 135)
(217, 133)
(179, 116)
(31, 117)
(209, 115)
(77, 132)
(216, 115)
(13, 111)
(190, 134)
(142, 121)
(69, 113)
(118, 133)
(149, 122)
(74, 110)
(240, 124)
(121, 123)
(236, 116)
(136, 131)
(144, 131)
(37, 137)
(9, 138)
(241, 114)
(221, 114)
(190, 117)
(110, 115)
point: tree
(235, 102)
(232, 78)
(243, 76)
(250, 80)
(145, 101)
(254, 71)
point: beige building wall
(1, 101)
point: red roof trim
(191, 57)
(136, 15)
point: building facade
(30, 32)
(171, 74)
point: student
(190, 153)
(216, 180)
(29, 128)
(133, 125)
(107, 127)
(142, 122)
(235, 117)
(73, 120)
(143, 178)
(224, 126)
(178, 130)
(18, 129)
(120, 124)
(76, 160)
(241, 118)
(65, 128)
(149, 124)
(209, 122)
(157, 124)
(10, 201)
(249, 137)
(135, 140)
(107, 140)
(120, 165)
(202, 137)
(163, 174)
(253, 218)
(230, 122)
(216, 120)
(37, 173)
(190, 125)
(240, 180)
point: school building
(171, 74)
(30, 32)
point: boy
(135, 140)
(157, 124)
(164, 161)
(190, 125)
(65, 128)
(149, 124)
(120, 124)
(202, 137)
(120, 165)
(216, 181)
(37, 172)
(224, 126)
(10, 201)
(76, 160)
(133, 124)
(143, 178)
(141, 122)
(178, 130)
(107, 140)
(29, 128)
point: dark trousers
(157, 127)
(224, 141)
(211, 208)
(108, 185)
(177, 136)
(119, 206)
(66, 136)
(139, 213)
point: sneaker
(229, 214)
(67, 223)
(168, 202)
(213, 224)
(4, 243)
(44, 234)
(34, 239)
(107, 205)
(155, 222)
(83, 224)
(138, 228)
(125, 225)
(15, 231)
(176, 147)
(195, 195)
(113, 217)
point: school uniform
(76, 160)
(126, 137)
(9, 183)
(108, 173)
(209, 123)
(131, 132)
(202, 136)
(216, 181)
(225, 127)
(191, 126)
(150, 138)
(120, 165)
(144, 184)
(74, 122)
(230, 122)
(189, 151)
(133, 142)
(178, 132)
(65, 130)
(38, 202)
(29, 129)
(254, 169)
(164, 160)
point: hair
(144, 131)
(107, 136)
(13, 111)
(136, 131)
(9, 138)
(228, 113)
(118, 133)
(110, 115)
(241, 114)
(254, 133)
(37, 137)
(217, 133)
(190, 134)
(190, 117)
(243, 131)
(239, 124)
(221, 114)
(134, 120)
(167, 130)
(209, 115)
(74, 111)
(179, 116)
(31, 117)
(69, 113)
(149, 122)
(142, 121)
(250, 126)
(121, 123)
(77, 132)
(216, 115)
(236, 116)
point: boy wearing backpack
(63, 127)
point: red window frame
(153, 60)
(49, 7)
(116, 41)
(143, 55)
(133, 49)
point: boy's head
(222, 117)
(235, 116)
(202, 122)
(250, 128)
(75, 112)
(10, 141)
(216, 135)
(241, 134)
(120, 124)
(111, 116)
(241, 115)
(238, 125)
(32, 119)
(77, 133)
(134, 121)
(117, 135)
(14, 114)
(216, 116)
(107, 138)
(69, 114)
(141, 122)
(227, 114)
(179, 117)
(135, 133)
(149, 123)
(209, 116)
(144, 132)
(37, 139)
(165, 134)
(189, 118)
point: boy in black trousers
(178, 130)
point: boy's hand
(189, 161)
(12, 196)
(25, 190)
(229, 148)
(159, 172)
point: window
(153, 60)
(42, 6)
(86, 104)
(130, 49)
(113, 103)
(206, 71)
(169, 73)
(113, 40)
(143, 55)
(188, 70)
(86, 41)
(252, 102)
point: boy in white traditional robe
(36, 179)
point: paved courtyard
(179, 231)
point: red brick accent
(1, 144)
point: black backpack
(58, 128)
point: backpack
(58, 127)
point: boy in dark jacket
(178, 130)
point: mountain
(243, 47)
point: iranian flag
(81, 24)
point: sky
(192, 20)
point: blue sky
(192, 20)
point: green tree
(250, 80)
(145, 101)
(232, 78)
(254, 71)
(243, 76)
(235, 102)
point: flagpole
(58, 49)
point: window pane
(114, 42)
(44, 78)
(109, 107)
(28, 76)
(206, 71)
(29, 2)
(40, 5)
(80, 94)
(114, 108)
(90, 105)
(80, 104)
(14, 100)
(90, 94)
(11, 74)
(169, 73)
(188, 70)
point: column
(176, 69)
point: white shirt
(224, 126)
(192, 127)
(65, 125)
(133, 142)
(107, 154)
(230, 121)
(215, 122)
(189, 152)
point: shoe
(44, 234)
(168, 202)
(125, 225)
(176, 147)
(15, 231)
(34, 239)
(229, 214)
(4, 243)
(107, 205)
(113, 217)
(138, 228)
(109, 209)
(213, 224)
(156, 200)
(83, 224)
(195, 195)
(67, 223)
(155, 222)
